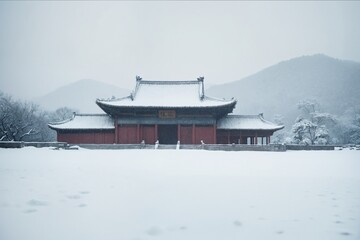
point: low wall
(32, 144)
(310, 147)
(115, 146)
(45, 144)
(6, 144)
(244, 147)
(212, 147)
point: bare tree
(25, 121)
(17, 119)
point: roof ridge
(172, 82)
(111, 99)
(91, 114)
(243, 115)
(63, 121)
(261, 116)
(220, 99)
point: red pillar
(193, 134)
(215, 134)
(256, 139)
(178, 132)
(228, 135)
(138, 133)
(116, 130)
(141, 133)
(156, 132)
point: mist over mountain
(334, 83)
(81, 96)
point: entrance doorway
(168, 134)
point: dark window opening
(168, 134)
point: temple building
(167, 112)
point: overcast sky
(44, 45)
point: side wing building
(168, 112)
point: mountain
(81, 96)
(334, 83)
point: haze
(45, 45)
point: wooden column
(178, 127)
(138, 133)
(156, 132)
(215, 134)
(228, 135)
(256, 139)
(116, 130)
(193, 134)
(240, 137)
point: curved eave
(254, 129)
(112, 109)
(269, 128)
(56, 128)
(83, 122)
(53, 127)
(56, 125)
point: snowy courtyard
(48, 194)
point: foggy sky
(44, 45)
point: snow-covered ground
(50, 194)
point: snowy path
(151, 194)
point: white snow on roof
(85, 121)
(248, 122)
(167, 94)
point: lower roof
(246, 122)
(84, 122)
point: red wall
(130, 134)
(205, 133)
(186, 134)
(99, 137)
(148, 134)
(127, 134)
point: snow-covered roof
(167, 94)
(246, 122)
(85, 121)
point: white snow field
(50, 194)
